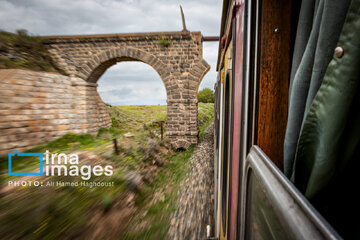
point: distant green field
(133, 117)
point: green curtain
(319, 27)
(322, 145)
(330, 131)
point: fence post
(162, 130)
(116, 146)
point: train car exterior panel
(226, 146)
(255, 200)
(237, 68)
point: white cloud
(60, 17)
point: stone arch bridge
(176, 56)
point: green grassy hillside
(119, 212)
(26, 52)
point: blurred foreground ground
(196, 195)
(148, 175)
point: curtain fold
(327, 159)
(319, 28)
(330, 130)
(322, 144)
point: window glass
(262, 221)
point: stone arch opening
(181, 89)
(199, 70)
(93, 69)
(131, 83)
(181, 72)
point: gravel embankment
(196, 196)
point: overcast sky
(125, 82)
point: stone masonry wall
(36, 107)
(180, 66)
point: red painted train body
(258, 54)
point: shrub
(164, 41)
(206, 96)
(22, 32)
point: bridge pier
(182, 130)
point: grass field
(119, 212)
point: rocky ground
(196, 196)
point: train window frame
(226, 138)
(250, 84)
(300, 218)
